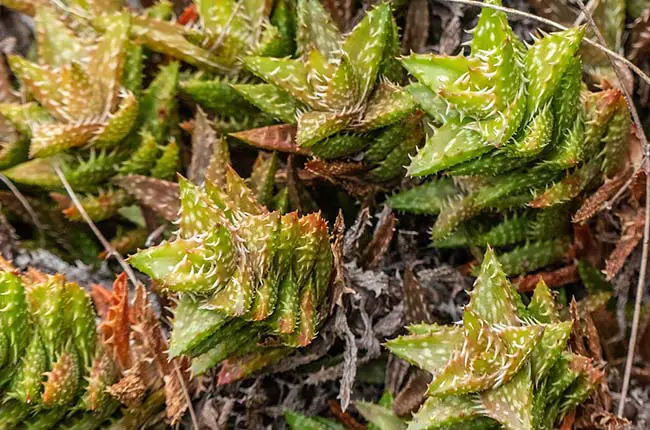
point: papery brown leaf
(163, 197)
(338, 284)
(632, 221)
(204, 139)
(554, 278)
(115, 328)
(341, 12)
(131, 388)
(416, 28)
(382, 237)
(175, 397)
(600, 420)
(596, 201)
(103, 300)
(280, 138)
(577, 335)
(148, 341)
(411, 397)
(416, 309)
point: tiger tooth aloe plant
(252, 284)
(506, 366)
(88, 115)
(519, 121)
(55, 367)
(339, 93)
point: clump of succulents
(341, 93)
(58, 370)
(252, 284)
(87, 114)
(520, 135)
(212, 36)
(507, 366)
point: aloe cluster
(507, 366)
(519, 134)
(341, 92)
(252, 284)
(87, 114)
(57, 370)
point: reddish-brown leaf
(115, 328)
(381, 240)
(163, 197)
(554, 278)
(632, 221)
(280, 138)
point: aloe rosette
(340, 97)
(520, 135)
(87, 114)
(506, 366)
(251, 284)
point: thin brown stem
(110, 251)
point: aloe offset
(517, 129)
(252, 284)
(507, 366)
(341, 92)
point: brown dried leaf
(554, 278)
(593, 339)
(341, 12)
(280, 138)
(416, 29)
(577, 336)
(175, 396)
(103, 300)
(632, 221)
(381, 240)
(413, 394)
(148, 342)
(416, 309)
(115, 328)
(597, 201)
(163, 197)
(130, 390)
(204, 139)
(338, 284)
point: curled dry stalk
(613, 57)
(111, 251)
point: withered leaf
(161, 196)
